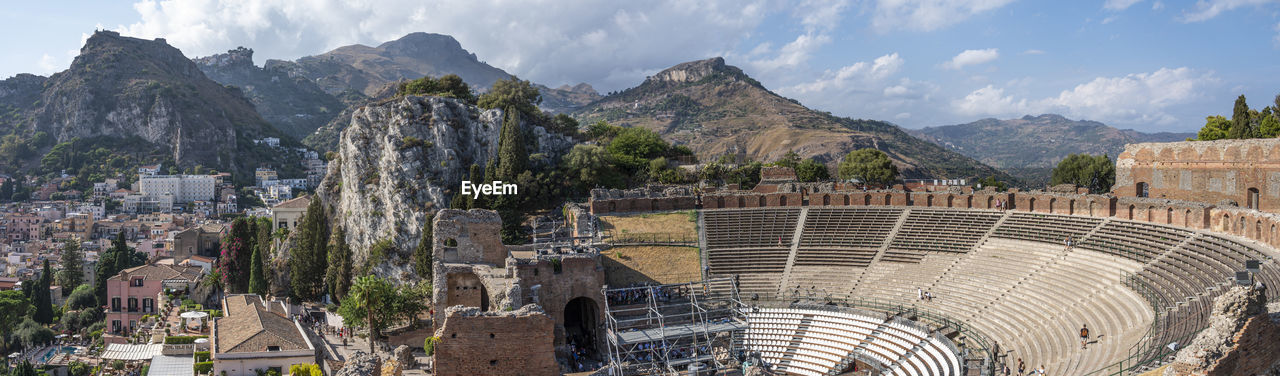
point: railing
(981, 343)
(1154, 343)
(656, 238)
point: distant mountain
(359, 74)
(567, 98)
(1031, 146)
(293, 104)
(121, 87)
(717, 109)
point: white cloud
(856, 75)
(1119, 5)
(610, 44)
(48, 64)
(1109, 19)
(792, 54)
(927, 15)
(972, 57)
(1140, 98)
(1158, 5)
(1033, 52)
(1208, 9)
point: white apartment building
(184, 188)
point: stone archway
(1052, 202)
(888, 199)
(466, 289)
(580, 316)
(1031, 204)
(1251, 200)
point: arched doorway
(1142, 190)
(1131, 213)
(1252, 199)
(1186, 218)
(888, 200)
(763, 203)
(1052, 203)
(742, 202)
(782, 200)
(928, 201)
(1092, 205)
(991, 202)
(1071, 207)
(1031, 204)
(826, 199)
(866, 199)
(580, 324)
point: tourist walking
(1084, 336)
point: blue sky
(1142, 64)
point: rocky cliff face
(121, 87)
(405, 157)
(293, 104)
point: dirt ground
(626, 265)
(676, 223)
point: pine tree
(1241, 124)
(72, 274)
(40, 296)
(308, 258)
(422, 256)
(338, 276)
(257, 283)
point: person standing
(1022, 367)
(1084, 336)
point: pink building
(24, 227)
(135, 292)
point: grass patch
(650, 264)
(675, 223)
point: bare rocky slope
(124, 87)
(717, 109)
(405, 157)
(293, 104)
(359, 74)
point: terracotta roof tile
(250, 326)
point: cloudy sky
(1143, 64)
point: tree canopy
(1244, 123)
(512, 92)
(869, 166)
(1095, 172)
(448, 86)
(72, 274)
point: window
(115, 304)
(137, 282)
(273, 348)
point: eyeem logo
(497, 187)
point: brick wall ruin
(518, 342)
(473, 269)
(1246, 172)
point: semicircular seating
(808, 341)
(1009, 275)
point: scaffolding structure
(676, 329)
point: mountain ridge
(718, 109)
(1030, 146)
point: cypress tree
(513, 159)
(338, 276)
(257, 283)
(308, 258)
(422, 257)
(40, 296)
(1241, 124)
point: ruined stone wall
(518, 342)
(469, 262)
(1205, 171)
(476, 232)
(1257, 349)
(580, 276)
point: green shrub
(181, 340)
(203, 367)
(305, 370)
(202, 356)
(429, 344)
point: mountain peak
(693, 71)
(419, 43)
(240, 57)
